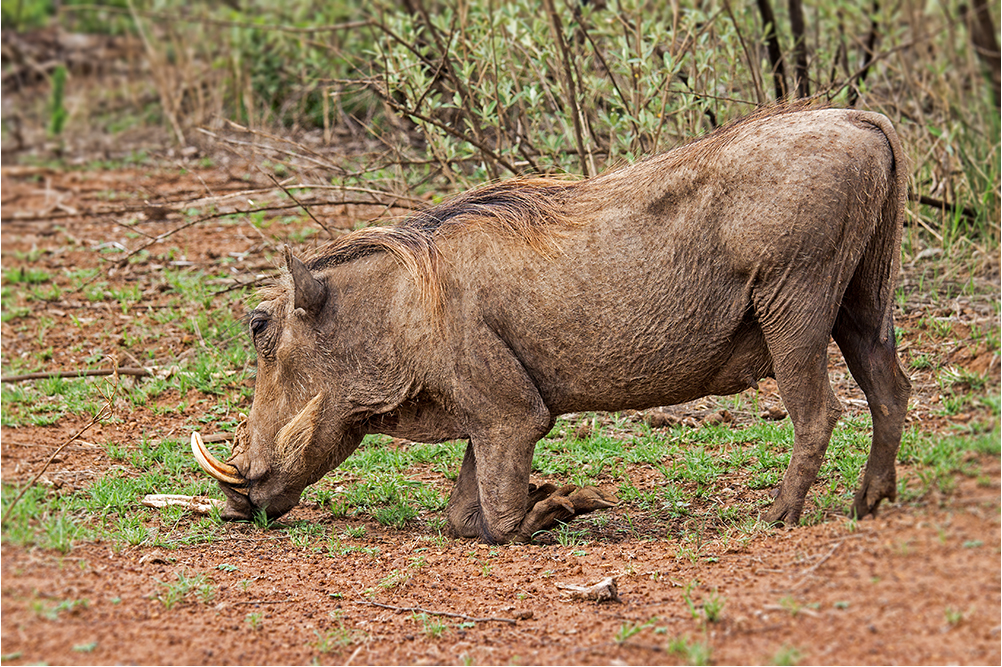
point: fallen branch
(450, 614)
(98, 372)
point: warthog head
(299, 426)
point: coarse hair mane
(533, 209)
(530, 209)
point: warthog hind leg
(873, 362)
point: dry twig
(450, 614)
(98, 372)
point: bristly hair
(531, 209)
(534, 210)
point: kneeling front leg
(548, 505)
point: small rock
(719, 417)
(661, 419)
(774, 413)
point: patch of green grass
(187, 585)
(953, 616)
(628, 630)
(109, 508)
(569, 537)
(331, 640)
(253, 619)
(786, 656)
(337, 637)
(51, 612)
(394, 579)
(25, 275)
(336, 548)
(45, 401)
(691, 651)
(431, 625)
(303, 533)
(713, 606)
(355, 532)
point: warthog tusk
(222, 471)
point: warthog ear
(310, 292)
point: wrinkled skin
(696, 272)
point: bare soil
(918, 584)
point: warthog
(695, 272)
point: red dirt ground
(918, 584)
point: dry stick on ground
(100, 372)
(944, 206)
(450, 614)
(105, 411)
(809, 571)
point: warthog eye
(258, 323)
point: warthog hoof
(547, 505)
(873, 489)
(784, 512)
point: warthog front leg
(505, 416)
(545, 505)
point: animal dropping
(695, 272)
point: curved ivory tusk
(222, 471)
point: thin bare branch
(570, 87)
(450, 614)
(98, 372)
(308, 211)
